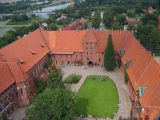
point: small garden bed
(72, 79)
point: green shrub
(40, 85)
(72, 79)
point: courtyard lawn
(72, 79)
(98, 97)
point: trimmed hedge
(72, 79)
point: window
(91, 53)
(76, 56)
(127, 63)
(121, 53)
(21, 91)
(141, 91)
(87, 53)
(99, 60)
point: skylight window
(127, 63)
(121, 53)
(141, 91)
(21, 61)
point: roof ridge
(44, 39)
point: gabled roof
(90, 37)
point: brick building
(25, 59)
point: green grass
(72, 79)
(9, 24)
(98, 97)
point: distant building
(63, 17)
(9, 1)
(77, 24)
(131, 22)
(150, 10)
(71, 5)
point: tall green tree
(96, 20)
(53, 104)
(108, 17)
(109, 59)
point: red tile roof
(27, 49)
(74, 40)
(133, 22)
(6, 77)
(143, 71)
(74, 25)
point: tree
(109, 60)
(53, 26)
(108, 17)
(53, 104)
(132, 28)
(96, 20)
(149, 36)
(54, 78)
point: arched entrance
(90, 63)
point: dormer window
(21, 61)
(141, 91)
(33, 52)
(121, 53)
(127, 63)
(42, 45)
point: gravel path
(116, 76)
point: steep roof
(27, 50)
(65, 41)
(102, 40)
(90, 37)
(143, 70)
(6, 77)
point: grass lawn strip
(98, 96)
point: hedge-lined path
(116, 76)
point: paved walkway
(19, 114)
(116, 76)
